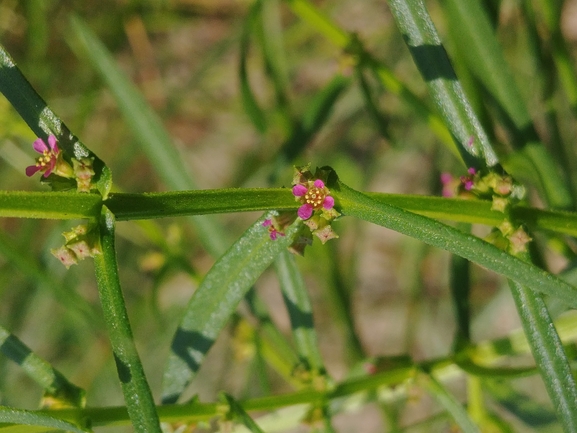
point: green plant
(493, 192)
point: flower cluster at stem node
(57, 169)
(316, 210)
(81, 242)
(503, 193)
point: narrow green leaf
(43, 121)
(56, 387)
(49, 205)
(460, 285)
(249, 101)
(31, 418)
(431, 59)
(479, 212)
(270, 36)
(432, 232)
(340, 296)
(472, 368)
(524, 407)
(549, 354)
(272, 343)
(215, 301)
(320, 107)
(308, 12)
(237, 413)
(300, 312)
(378, 118)
(484, 55)
(450, 403)
(137, 395)
(147, 128)
(313, 119)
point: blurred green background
(184, 57)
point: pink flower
(305, 211)
(469, 181)
(273, 232)
(446, 178)
(47, 161)
(468, 184)
(450, 184)
(299, 190)
(313, 195)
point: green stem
(49, 205)
(198, 202)
(125, 207)
(443, 368)
(137, 394)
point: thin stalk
(137, 394)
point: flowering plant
(326, 344)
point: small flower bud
(65, 255)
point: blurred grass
(190, 77)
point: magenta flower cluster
(469, 181)
(52, 161)
(313, 195)
(274, 233)
(451, 186)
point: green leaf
(49, 205)
(450, 403)
(434, 233)
(215, 301)
(137, 395)
(43, 121)
(308, 12)
(484, 55)
(549, 354)
(249, 101)
(56, 387)
(272, 344)
(524, 407)
(300, 312)
(452, 104)
(377, 117)
(460, 285)
(270, 37)
(147, 128)
(313, 119)
(31, 418)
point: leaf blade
(216, 299)
(440, 235)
